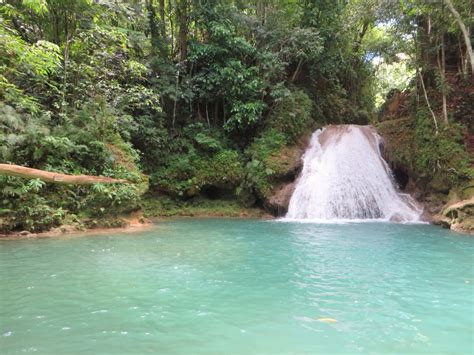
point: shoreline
(139, 224)
(58, 232)
(133, 226)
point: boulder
(287, 166)
(458, 216)
(277, 203)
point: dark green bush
(198, 157)
(292, 115)
(441, 159)
(259, 170)
(112, 199)
(187, 174)
(25, 207)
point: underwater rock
(327, 320)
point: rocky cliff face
(434, 190)
(290, 164)
(436, 169)
(278, 201)
(458, 216)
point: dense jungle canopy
(198, 99)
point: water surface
(240, 286)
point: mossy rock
(460, 215)
(467, 191)
(285, 163)
(439, 183)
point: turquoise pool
(219, 286)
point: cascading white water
(345, 177)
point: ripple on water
(208, 286)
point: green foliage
(212, 95)
(164, 206)
(117, 197)
(227, 74)
(205, 162)
(391, 76)
(75, 149)
(259, 170)
(436, 163)
(25, 208)
(441, 159)
(292, 115)
(23, 67)
(207, 142)
(35, 206)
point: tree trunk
(172, 28)
(464, 61)
(175, 99)
(162, 27)
(442, 71)
(260, 11)
(295, 74)
(464, 30)
(360, 36)
(56, 178)
(157, 45)
(182, 17)
(162, 18)
(207, 116)
(428, 103)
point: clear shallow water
(239, 287)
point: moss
(262, 165)
(285, 161)
(460, 215)
(272, 161)
(187, 174)
(105, 222)
(399, 141)
(162, 206)
(436, 162)
(467, 191)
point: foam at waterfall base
(345, 179)
(344, 221)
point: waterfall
(345, 177)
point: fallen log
(56, 178)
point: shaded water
(345, 177)
(239, 287)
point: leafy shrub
(222, 169)
(259, 170)
(25, 208)
(36, 206)
(198, 159)
(187, 174)
(112, 199)
(292, 115)
(435, 162)
(441, 159)
(207, 143)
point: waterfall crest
(345, 177)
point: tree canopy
(200, 93)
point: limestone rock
(279, 199)
(458, 216)
(287, 165)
